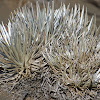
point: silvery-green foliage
(67, 40)
(74, 53)
(28, 32)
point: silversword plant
(74, 53)
(65, 40)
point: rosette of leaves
(73, 54)
(21, 42)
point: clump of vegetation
(63, 43)
(20, 46)
(73, 53)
